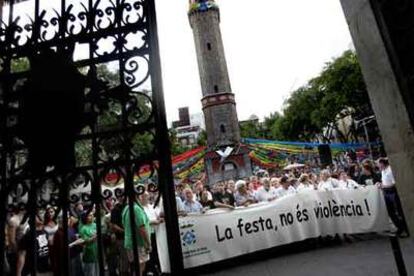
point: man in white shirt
(285, 188)
(305, 184)
(266, 192)
(392, 200)
(327, 183)
(345, 182)
(191, 205)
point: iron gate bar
(166, 179)
(11, 48)
(129, 181)
(96, 189)
(65, 177)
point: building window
(209, 46)
(216, 90)
(222, 129)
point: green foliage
(176, 147)
(19, 65)
(250, 129)
(111, 117)
(339, 91)
(202, 138)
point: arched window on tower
(222, 129)
(216, 90)
(209, 46)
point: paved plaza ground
(366, 255)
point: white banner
(222, 234)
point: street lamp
(364, 122)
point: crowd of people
(198, 198)
(191, 198)
(117, 239)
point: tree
(138, 110)
(176, 147)
(315, 110)
(249, 129)
(269, 126)
(202, 138)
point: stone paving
(365, 256)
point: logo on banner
(188, 235)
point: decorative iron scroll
(63, 126)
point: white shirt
(303, 188)
(348, 184)
(329, 184)
(281, 192)
(178, 202)
(387, 178)
(151, 212)
(263, 195)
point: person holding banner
(305, 184)
(392, 200)
(266, 192)
(345, 182)
(243, 197)
(368, 176)
(222, 198)
(327, 183)
(285, 188)
(274, 181)
(230, 187)
(190, 204)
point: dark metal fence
(66, 131)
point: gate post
(166, 180)
(381, 34)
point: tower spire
(202, 5)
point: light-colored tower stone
(218, 101)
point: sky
(271, 47)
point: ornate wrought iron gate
(64, 129)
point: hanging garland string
(263, 153)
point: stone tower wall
(220, 113)
(212, 64)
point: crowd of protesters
(191, 198)
(198, 198)
(117, 239)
